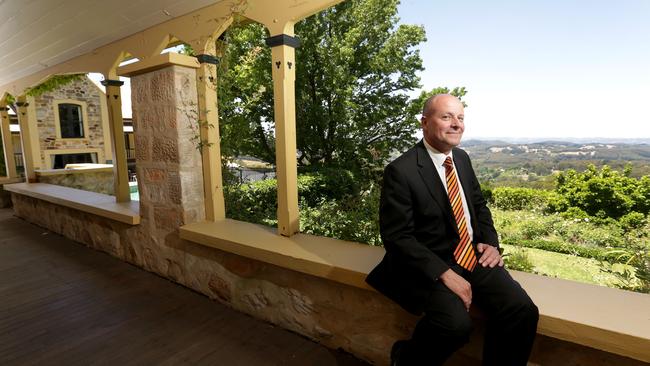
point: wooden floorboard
(64, 304)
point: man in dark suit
(442, 251)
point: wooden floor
(64, 304)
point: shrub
(588, 234)
(509, 198)
(525, 225)
(355, 219)
(598, 253)
(518, 261)
(535, 229)
(574, 213)
(638, 278)
(326, 184)
(631, 221)
(487, 192)
(257, 202)
(602, 193)
(254, 202)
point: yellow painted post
(7, 144)
(284, 76)
(106, 134)
(28, 139)
(116, 126)
(206, 84)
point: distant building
(73, 128)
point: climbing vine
(53, 83)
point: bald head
(443, 122)
(429, 104)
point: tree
(602, 193)
(354, 71)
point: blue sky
(572, 68)
(537, 69)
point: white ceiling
(36, 34)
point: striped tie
(464, 252)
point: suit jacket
(418, 229)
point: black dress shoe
(396, 353)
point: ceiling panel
(35, 34)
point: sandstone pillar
(168, 161)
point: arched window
(71, 121)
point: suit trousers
(446, 326)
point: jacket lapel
(433, 183)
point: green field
(570, 267)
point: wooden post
(206, 84)
(28, 138)
(284, 76)
(116, 126)
(7, 144)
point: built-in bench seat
(608, 319)
(91, 202)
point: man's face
(443, 127)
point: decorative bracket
(207, 59)
(283, 39)
(109, 82)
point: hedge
(602, 254)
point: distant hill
(501, 161)
(560, 150)
(577, 140)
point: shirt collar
(437, 157)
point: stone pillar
(284, 76)
(116, 126)
(7, 144)
(168, 162)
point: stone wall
(100, 181)
(80, 90)
(5, 198)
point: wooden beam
(206, 84)
(29, 137)
(284, 75)
(116, 127)
(7, 144)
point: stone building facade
(89, 102)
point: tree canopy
(604, 192)
(355, 70)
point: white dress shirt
(438, 159)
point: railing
(130, 153)
(18, 160)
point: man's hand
(458, 285)
(489, 255)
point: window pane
(71, 121)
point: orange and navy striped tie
(464, 252)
